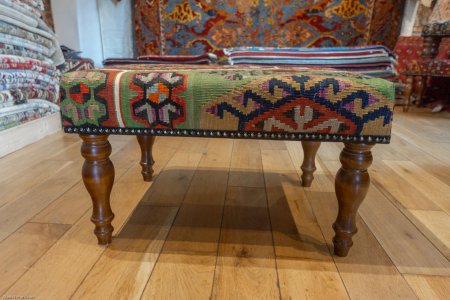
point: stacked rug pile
(203, 59)
(29, 56)
(376, 61)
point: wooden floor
(228, 219)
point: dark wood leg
(431, 46)
(352, 183)
(309, 162)
(98, 177)
(420, 89)
(407, 93)
(146, 142)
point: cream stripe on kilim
(117, 98)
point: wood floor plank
(177, 174)
(421, 143)
(297, 235)
(434, 189)
(303, 259)
(430, 287)
(39, 148)
(23, 248)
(276, 160)
(438, 225)
(309, 279)
(296, 153)
(272, 145)
(422, 257)
(400, 149)
(68, 208)
(185, 268)
(430, 126)
(295, 229)
(181, 276)
(66, 264)
(438, 240)
(246, 258)
(60, 270)
(367, 272)
(16, 186)
(18, 212)
(286, 197)
(246, 164)
(125, 267)
(399, 188)
(19, 162)
(403, 229)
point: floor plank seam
(328, 174)
(273, 239)
(171, 226)
(329, 247)
(395, 202)
(221, 224)
(7, 236)
(417, 146)
(31, 266)
(89, 271)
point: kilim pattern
(192, 27)
(228, 101)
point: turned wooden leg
(420, 89)
(309, 162)
(98, 177)
(431, 46)
(146, 142)
(352, 183)
(407, 93)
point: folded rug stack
(204, 59)
(29, 54)
(376, 61)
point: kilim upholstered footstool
(228, 102)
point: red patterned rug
(191, 27)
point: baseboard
(20, 136)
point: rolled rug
(19, 114)
(17, 15)
(6, 49)
(27, 44)
(11, 62)
(22, 95)
(38, 4)
(57, 56)
(22, 7)
(7, 28)
(27, 77)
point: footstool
(241, 102)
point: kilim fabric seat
(251, 102)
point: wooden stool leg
(146, 143)
(352, 183)
(407, 92)
(309, 162)
(420, 89)
(98, 177)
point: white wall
(116, 27)
(66, 23)
(409, 17)
(98, 28)
(89, 30)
